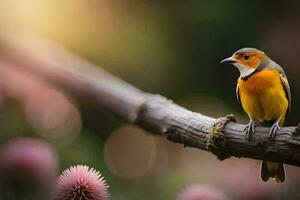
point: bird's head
(247, 60)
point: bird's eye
(246, 57)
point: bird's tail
(272, 170)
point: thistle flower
(28, 166)
(200, 192)
(81, 182)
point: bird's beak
(229, 60)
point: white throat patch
(244, 71)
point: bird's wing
(287, 90)
(237, 91)
(284, 82)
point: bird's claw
(249, 129)
(274, 129)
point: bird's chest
(258, 84)
(262, 95)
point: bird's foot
(249, 129)
(274, 129)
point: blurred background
(172, 48)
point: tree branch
(154, 113)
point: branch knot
(152, 104)
(215, 138)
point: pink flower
(200, 192)
(28, 169)
(81, 182)
(28, 160)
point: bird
(263, 91)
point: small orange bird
(264, 92)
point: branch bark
(154, 113)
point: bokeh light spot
(129, 152)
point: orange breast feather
(263, 97)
